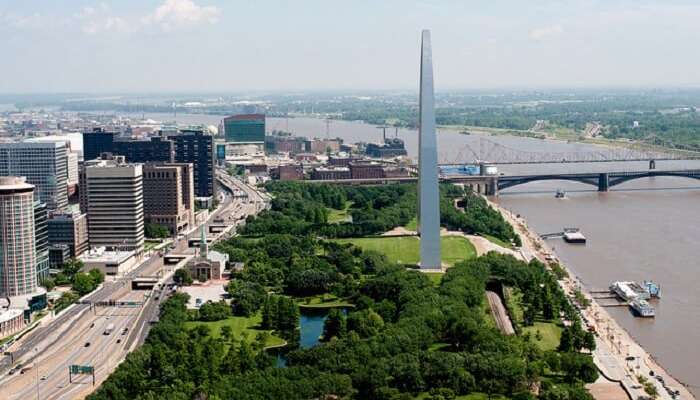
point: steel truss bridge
(491, 152)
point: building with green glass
(245, 128)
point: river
(643, 229)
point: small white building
(111, 262)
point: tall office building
(114, 202)
(97, 142)
(245, 128)
(18, 258)
(168, 196)
(142, 151)
(69, 228)
(197, 148)
(41, 240)
(72, 168)
(429, 192)
(44, 164)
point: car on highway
(44, 377)
(119, 341)
(87, 344)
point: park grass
(412, 225)
(246, 328)
(405, 249)
(470, 396)
(550, 333)
(497, 241)
(435, 277)
(325, 300)
(337, 216)
(150, 244)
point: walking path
(617, 356)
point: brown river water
(647, 229)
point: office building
(245, 128)
(72, 168)
(97, 142)
(44, 164)
(18, 260)
(156, 149)
(114, 202)
(197, 148)
(168, 196)
(428, 191)
(59, 254)
(69, 228)
(290, 172)
(41, 240)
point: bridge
(603, 181)
(491, 185)
(495, 153)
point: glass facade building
(245, 128)
(45, 165)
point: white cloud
(545, 32)
(170, 15)
(178, 13)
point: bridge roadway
(492, 184)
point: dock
(570, 235)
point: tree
(211, 311)
(97, 276)
(335, 324)
(72, 267)
(182, 277)
(227, 333)
(83, 284)
(156, 231)
(48, 283)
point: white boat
(642, 308)
(628, 290)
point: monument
(428, 190)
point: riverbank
(619, 357)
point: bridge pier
(652, 164)
(603, 182)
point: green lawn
(412, 225)
(323, 301)
(435, 277)
(470, 396)
(498, 241)
(336, 216)
(404, 249)
(243, 327)
(149, 244)
(550, 334)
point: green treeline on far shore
(301, 209)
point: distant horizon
(217, 46)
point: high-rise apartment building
(197, 148)
(69, 228)
(245, 128)
(41, 240)
(18, 259)
(44, 164)
(114, 203)
(168, 196)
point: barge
(642, 308)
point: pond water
(311, 322)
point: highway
(50, 348)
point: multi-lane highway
(77, 335)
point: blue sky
(232, 46)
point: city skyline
(177, 45)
